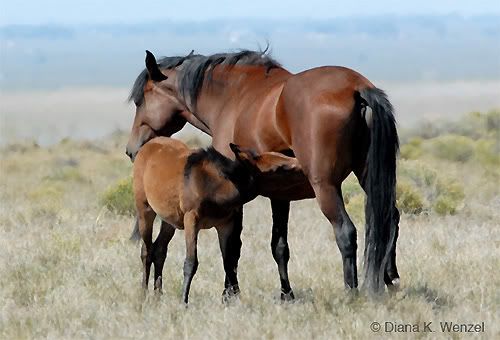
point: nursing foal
(193, 190)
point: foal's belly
(165, 204)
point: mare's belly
(285, 185)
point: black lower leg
(230, 245)
(279, 244)
(190, 267)
(332, 205)
(345, 235)
(160, 247)
(146, 262)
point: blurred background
(66, 67)
(67, 205)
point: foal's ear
(274, 161)
(243, 155)
(152, 66)
(266, 162)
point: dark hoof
(394, 286)
(287, 297)
(230, 294)
(352, 291)
(158, 285)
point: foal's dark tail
(136, 236)
(380, 186)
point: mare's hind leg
(160, 247)
(230, 246)
(391, 275)
(331, 203)
(279, 245)
(146, 217)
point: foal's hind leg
(279, 245)
(331, 203)
(191, 229)
(160, 247)
(146, 217)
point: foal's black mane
(192, 71)
(234, 171)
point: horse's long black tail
(380, 186)
(135, 236)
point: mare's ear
(274, 161)
(152, 66)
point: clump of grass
(418, 172)
(67, 174)
(422, 189)
(119, 197)
(408, 198)
(487, 153)
(47, 192)
(450, 196)
(412, 149)
(350, 188)
(356, 208)
(493, 121)
(452, 147)
(46, 200)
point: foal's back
(158, 177)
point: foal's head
(244, 172)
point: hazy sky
(123, 11)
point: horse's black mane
(226, 166)
(192, 71)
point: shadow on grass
(435, 298)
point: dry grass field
(67, 269)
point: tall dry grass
(67, 269)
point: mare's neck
(229, 90)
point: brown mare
(332, 119)
(193, 190)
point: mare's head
(159, 111)
(166, 92)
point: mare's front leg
(191, 229)
(160, 247)
(279, 245)
(230, 246)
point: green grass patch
(119, 197)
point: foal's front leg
(230, 246)
(160, 247)
(279, 245)
(191, 229)
(145, 218)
